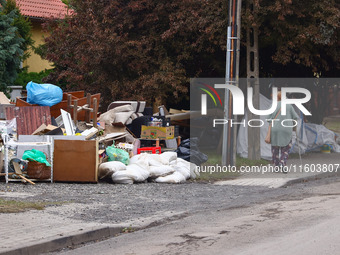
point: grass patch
(12, 206)
(216, 159)
(332, 124)
(248, 162)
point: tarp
(311, 136)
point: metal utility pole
(254, 148)
(232, 77)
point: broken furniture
(75, 161)
(10, 143)
(55, 109)
(75, 108)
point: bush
(25, 77)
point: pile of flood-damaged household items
(57, 136)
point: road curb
(66, 241)
(311, 178)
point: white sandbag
(156, 160)
(121, 178)
(133, 172)
(189, 168)
(140, 160)
(135, 158)
(176, 177)
(159, 171)
(183, 170)
(168, 156)
(146, 159)
(136, 173)
(193, 171)
(174, 162)
(108, 168)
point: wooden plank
(87, 113)
(18, 172)
(75, 161)
(43, 129)
(29, 119)
(25, 179)
(88, 133)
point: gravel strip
(112, 203)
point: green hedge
(25, 77)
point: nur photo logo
(209, 90)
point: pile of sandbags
(163, 168)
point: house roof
(42, 8)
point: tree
(10, 47)
(301, 36)
(135, 49)
(24, 27)
(147, 49)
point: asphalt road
(302, 218)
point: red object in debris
(154, 150)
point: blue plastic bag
(43, 94)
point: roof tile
(42, 8)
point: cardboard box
(162, 133)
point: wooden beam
(88, 102)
